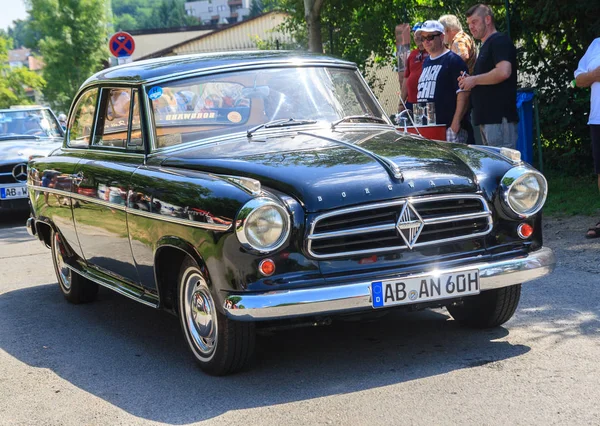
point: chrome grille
(376, 228)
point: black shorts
(595, 132)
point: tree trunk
(312, 14)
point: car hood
(327, 169)
(21, 150)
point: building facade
(218, 11)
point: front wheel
(73, 286)
(488, 309)
(220, 346)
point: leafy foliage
(73, 44)
(14, 81)
(550, 37)
(150, 14)
(23, 34)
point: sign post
(122, 45)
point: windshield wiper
(284, 122)
(358, 117)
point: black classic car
(243, 189)
(25, 132)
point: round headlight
(526, 191)
(263, 225)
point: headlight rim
(517, 174)
(247, 210)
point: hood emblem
(409, 225)
(19, 172)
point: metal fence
(383, 81)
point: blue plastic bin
(525, 137)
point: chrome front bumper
(356, 296)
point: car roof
(24, 108)
(172, 66)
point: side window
(135, 138)
(113, 120)
(82, 119)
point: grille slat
(372, 229)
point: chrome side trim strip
(356, 296)
(136, 212)
(97, 201)
(186, 222)
(113, 287)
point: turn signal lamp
(267, 267)
(524, 230)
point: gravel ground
(566, 236)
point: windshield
(209, 106)
(24, 123)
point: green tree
(256, 8)
(125, 22)
(73, 44)
(169, 14)
(14, 81)
(23, 34)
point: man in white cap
(439, 84)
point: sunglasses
(430, 38)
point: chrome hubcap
(200, 314)
(63, 272)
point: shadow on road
(12, 219)
(135, 357)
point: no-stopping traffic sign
(121, 44)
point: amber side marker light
(267, 267)
(525, 230)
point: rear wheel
(73, 286)
(220, 346)
(488, 309)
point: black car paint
(122, 236)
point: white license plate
(13, 192)
(404, 291)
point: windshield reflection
(209, 106)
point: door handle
(77, 178)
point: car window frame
(127, 148)
(72, 118)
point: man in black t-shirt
(494, 83)
(438, 83)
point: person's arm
(586, 79)
(404, 91)
(462, 103)
(501, 72)
(404, 86)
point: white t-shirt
(589, 62)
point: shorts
(595, 132)
(502, 135)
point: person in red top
(414, 67)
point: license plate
(402, 291)
(13, 192)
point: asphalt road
(119, 362)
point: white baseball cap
(431, 26)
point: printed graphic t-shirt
(439, 83)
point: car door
(52, 176)
(102, 187)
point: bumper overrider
(356, 296)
